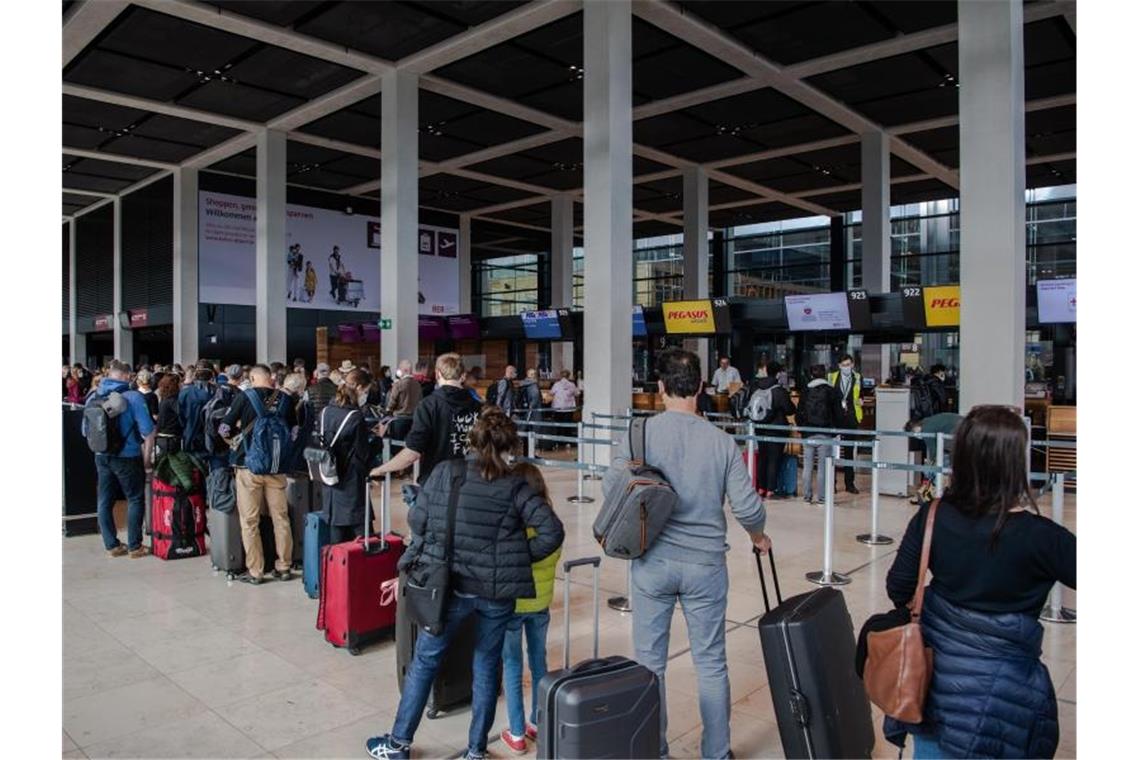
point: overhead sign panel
(1056, 301)
(702, 317)
(817, 311)
(941, 305)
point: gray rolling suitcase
(600, 708)
(226, 551)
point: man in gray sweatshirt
(687, 561)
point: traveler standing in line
(123, 470)
(490, 570)
(168, 430)
(75, 391)
(384, 384)
(993, 562)
(402, 401)
(191, 399)
(143, 382)
(441, 425)
(565, 401)
(424, 378)
(531, 395)
(724, 375)
(848, 411)
(254, 490)
(776, 412)
(687, 561)
(322, 392)
(937, 382)
(817, 410)
(505, 390)
(343, 503)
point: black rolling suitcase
(600, 708)
(809, 647)
(452, 686)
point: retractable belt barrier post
(940, 460)
(751, 452)
(624, 603)
(530, 442)
(1055, 611)
(579, 497)
(386, 507)
(874, 538)
(593, 448)
(827, 576)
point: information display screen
(1056, 301)
(348, 333)
(433, 328)
(703, 317)
(859, 310)
(541, 325)
(639, 329)
(817, 311)
(370, 331)
(463, 327)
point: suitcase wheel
(432, 713)
(354, 651)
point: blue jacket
(191, 400)
(991, 696)
(135, 423)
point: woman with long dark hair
(168, 427)
(343, 420)
(994, 560)
(490, 569)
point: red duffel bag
(178, 519)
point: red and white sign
(138, 318)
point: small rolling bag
(178, 519)
(787, 476)
(358, 583)
(452, 686)
(600, 708)
(315, 540)
(299, 495)
(809, 646)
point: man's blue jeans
(702, 590)
(535, 625)
(127, 474)
(493, 617)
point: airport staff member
(849, 410)
(724, 375)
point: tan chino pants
(252, 490)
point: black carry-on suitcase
(452, 685)
(600, 708)
(809, 647)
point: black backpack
(212, 415)
(101, 420)
(493, 393)
(815, 407)
(921, 398)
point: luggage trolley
(353, 292)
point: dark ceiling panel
(1047, 80)
(322, 178)
(490, 194)
(486, 128)
(645, 166)
(761, 212)
(165, 39)
(516, 166)
(362, 167)
(95, 184)
(162, 127)
(678, 69)
(349, 126)
(82, 137)
(280, 12)
(1051, 174)
(562, 100)
(848, 200)
(538, 214)
(922, 190)
(155, 150)
(244, 163)
(110, 71)
(113, 169)
(719, 193)
(908, 16)
(560, 179)
(284, 71)
(1051, 131)
(299, 153)
(238, 100)
(74, 199)
(92, 113)
(389, 30)
(653, 228)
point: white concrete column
(608, 136)
(562, 272)
(399, 216)
(992, 133)
(876, 171)
(695, 203)
(77, 340)
(121, 335)
(271, 247)
(185, 266)
(464, 263)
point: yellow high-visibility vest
(856, 388)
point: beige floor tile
(68, 744)
(345, 741)
(92, 673)
(170, 624)
(212, 645)
(205, 735)
(279, 718)
(126, 710)
(117, 604)
(74, 753)
(238, 679)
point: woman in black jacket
(168, 428)
(490, 569)
(994, 561)
(342, 427)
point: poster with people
(332, 259)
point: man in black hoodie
(440, 424)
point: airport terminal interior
(570, 188)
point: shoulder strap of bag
(924, 562)
(255, 401)
(457, 480)
(637, 439)
(344, 422)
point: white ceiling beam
(1041, 104)
(503, 149)
(85, 21)
(500, 29)
(699, 97)
(246, 26)
(157, 106)
(331, 144)
(105, 156)
(221, 151)
(92, 193)
(767, 192)
(1051, 158)
(329, 103)
(790, 150)
(522, 202)
(482, 99)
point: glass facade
(506, 286)
(775, 259)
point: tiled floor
(167, 659)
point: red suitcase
(358, 583)
(178, 520)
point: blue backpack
(268, 442)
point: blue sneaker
(386, 748)
(473, 754)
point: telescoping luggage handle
(382, 545)
(775, 578)
(567, 566)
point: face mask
(846, 371)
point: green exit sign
(385, 324)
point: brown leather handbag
(899, 665)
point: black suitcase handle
(567, 566)
(775, 578)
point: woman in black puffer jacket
(490, 569)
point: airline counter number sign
(696, 317)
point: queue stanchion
(581, 498)
(531, 442)
(592, 474)
(624, 603)
(874, 538)
(387, 450)
(940, 460)
(827, 576)
(416, 471)
(386, 512)
(1055, 611)
(750, 447)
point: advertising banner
(138, 318)
(942, 304)
(332, 258)
(696, 317)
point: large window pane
(507, 285)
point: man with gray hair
(323, 391)
(405, 396)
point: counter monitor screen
(639, 329)
(541, 325)
(370, 331)
(348, 333)
(1056, 301)
(818, 311)
(463, 327)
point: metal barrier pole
(751, 449)
(939, 460)
(530, 443)
(624, 603)
(386, 499)
(416, 472)
(387, 449)
(1055, 611)
(826, 576)
(581, 498)
(593, 450)
(874, 538)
